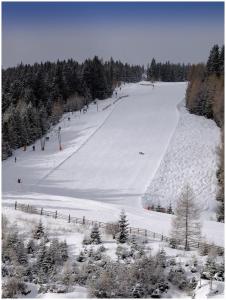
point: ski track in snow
(83, 144)
(100, 170)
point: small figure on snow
(19, 180)
(141, 153)
(15, 159)
(33, 147)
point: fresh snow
(190, 158)
(100, 171)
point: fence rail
(84, 221)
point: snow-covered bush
(81, 257)
(112, 229)
(14, 288)
(123, 253)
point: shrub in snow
(178, 278)
(81, 257)
(163, 286)
(102, 248)
(95, 235)
(192, 283)
(123, 253)
(95, 255)
(156, 294)
(112, 229)
(31, 247)
(172, 262)
(14, 287)
(193, 270)
(210, 266)
(21, 253)
(220, 251)
(138, 291)
(219, 276)
(173, 243)
(86, 240)
(204, 249)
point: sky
(133, 32)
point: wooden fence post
(153, 234)
(27, 207)
(145, 232)
(83, 220)
(41, 211)
(15, 204)
(130, 230)
(162, 237)
(69, 219)
(56, 214)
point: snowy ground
(100, 170)
(190, 158)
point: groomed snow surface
(100, 171)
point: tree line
(205, 97)
(35, 96)
(167, 71)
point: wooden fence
(84, 221)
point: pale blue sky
(132, 32)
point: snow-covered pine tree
(39, 231)
(186, 226)
(169, 209)
(161, 258)
(55, 249)
(95, 235)
(64, 250)
(21, 253)
(123, 229)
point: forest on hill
(167, 71)
(36, 96)
(205, 97)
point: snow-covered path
(100, 169)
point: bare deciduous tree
(186, 227)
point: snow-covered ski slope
(190, 158)
(100, 170)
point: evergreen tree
(169, 209)
(39, 231)
(123, 229)
(213, 63)
(221, 60)
(95, 235)
(161, 258)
